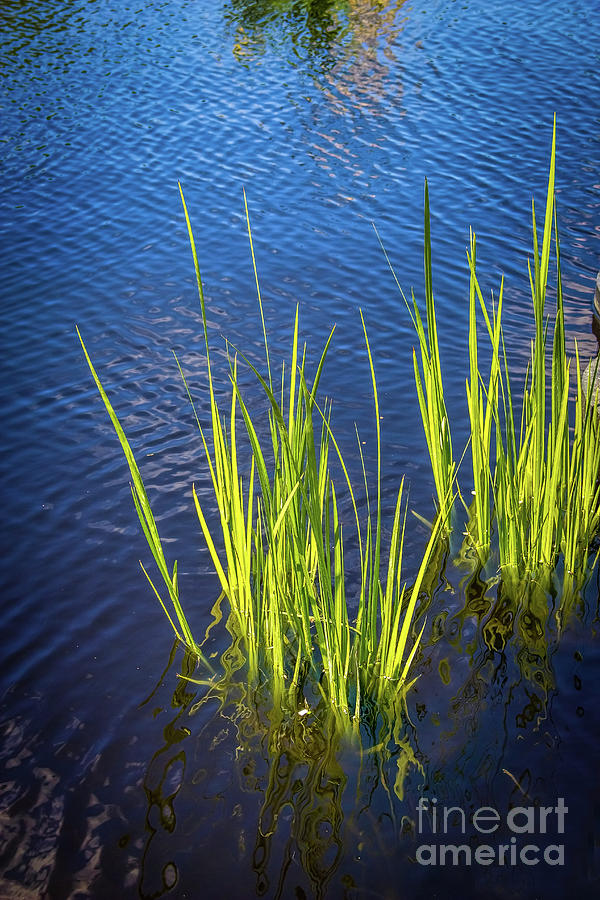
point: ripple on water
(330, 116)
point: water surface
(330, 115)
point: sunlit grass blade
(147, 521)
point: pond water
(115, 781)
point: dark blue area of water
(330, 115)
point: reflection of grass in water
(314, 798)
(311, 789)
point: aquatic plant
(535, 476)
(279, 552)
(278, 545)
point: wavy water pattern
(330, 114)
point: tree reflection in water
(347, 45)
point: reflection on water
(348, 45)
(350, 51)
(197, 792)
(233, 786)
(325, 799)
(60, 820)
(231, 791)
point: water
(330, 115)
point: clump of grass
(279, 551)
(535, 463)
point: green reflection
(163, 779)
(310, 783)
(326, 35)
(315, 797)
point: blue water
(330, 115)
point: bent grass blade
(148, 523)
